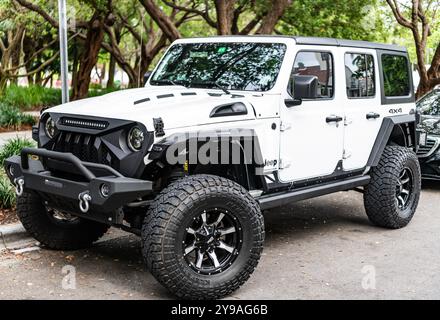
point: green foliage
(7, 194)
(35, 98)
(99, 92)
(32, 97)
(12, 117)
(349, 19)
(14, 147)
(11, 148)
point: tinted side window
(359, 74)
(319, 64)
(396, 75)
(430, 104)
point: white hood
(177, 107)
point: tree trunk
(75, 64)
(38, 79)
(428, 78)
(163, 21)
(225, 16)
(111, 72)
(15, 63)
(273, 16)
(89, 57)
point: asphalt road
(323, 248)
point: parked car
(225, 128)
(429, 127)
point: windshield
(430, 104)
(233, 66)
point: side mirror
(302, 87)
(147, 76)
(305, 87)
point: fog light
(105, 190)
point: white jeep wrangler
(226, 127)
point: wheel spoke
(404, 181)
(226, 247)
(191, 231)
(402, 174)
(204, 217)
(226, 231)
(200, 257)
(214, 259)
(189, 249)
(220, 217)
(401, 201)
(404, 191)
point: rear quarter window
(395, 75)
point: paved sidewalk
(4, 137)
(322, 248)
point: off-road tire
(35, 219)
(168, 215)
(380, 199)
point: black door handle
(372, 115)
(334, 119)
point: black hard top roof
(347, 43)
(328, 42)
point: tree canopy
(131, 34)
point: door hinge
(284, 164)
(285, 126)
(346, 155)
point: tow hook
(19, 183)
(84, 201)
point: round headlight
(136, 139)
(50, 127)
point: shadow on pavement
(120, 260)
(431, 185)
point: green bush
(11, 117)
(37, 97)
(13, 147)
(32, 97)
(101, 92)
(7, 193)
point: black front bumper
(64, 193)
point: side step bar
(282, 198)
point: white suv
(226, 127)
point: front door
(311, 143)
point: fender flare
(253, 158)
(385, 132)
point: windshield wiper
(211, 84)
(172, 82)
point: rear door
(362, 106)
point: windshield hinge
(285, 126)
(284, 164)
(346, 155)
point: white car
(225, 127)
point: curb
(13, 236)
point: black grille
(424, 150)
(87, 148)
